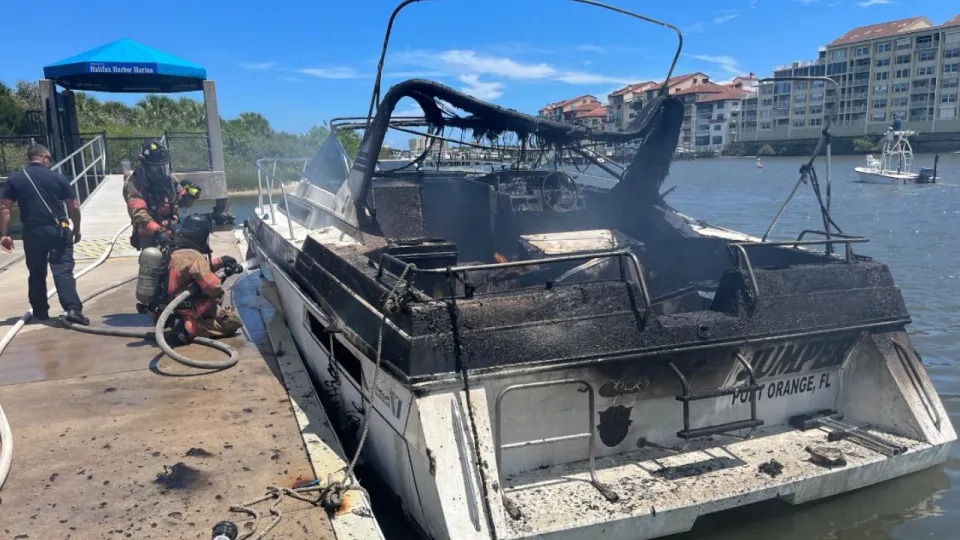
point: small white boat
(895, 165)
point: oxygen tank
(151, 266)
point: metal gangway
(101, 201)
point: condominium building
(564, 110)
(712, 112)
(717, 120)
(623, 104)
(908, 67)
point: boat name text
(805, 384)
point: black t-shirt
(54, 187)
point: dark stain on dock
(180, 476)
(198, 452)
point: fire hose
(156, 334)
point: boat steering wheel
(559, 192)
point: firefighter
(154, 198)
(191, 266)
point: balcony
(929, 45)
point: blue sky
(300, 62)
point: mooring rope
(330, 495)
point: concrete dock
(112, 439)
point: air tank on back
(151, 266)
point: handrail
(743, 259)
(838, 235)
(98, 155)
(590, 434)
(271, 177)
(620, 254)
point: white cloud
(726, 63)
(869, 3)
(696, 28)
(330, 73)
(459, 62)
(807, 2)
(258, 66)
(412, 111)
(414, 74)
(753, 4)
(486, 91)
(726, 15)
(593, 49)
(481, 64)
(581, 77)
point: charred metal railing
(622, 255)
(807, 171)
(590, 434)
(687, 396)
(828, 235)
(744, 264)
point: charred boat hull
(525, 356)
(511, 449)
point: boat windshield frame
(375, 94)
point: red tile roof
(596, 112)
(638, 87)
(681, 78)
(952, 22)
(704, 88)
(881, 30)
(725, 95)
(564, 103)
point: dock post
(217, 187)
(48, 95)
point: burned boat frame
(417, 327)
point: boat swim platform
(112, 439)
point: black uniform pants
(43, 245)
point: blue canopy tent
(126, 66)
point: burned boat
(519, 355)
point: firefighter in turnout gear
(154, 198)
(190, 266)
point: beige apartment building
(712, 112)
(908, 67)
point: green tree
(11, 115)
(27, 95)
(246, 138)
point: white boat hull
(870, 176)
(453, 483)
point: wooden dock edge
(355, 521)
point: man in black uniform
(47, 238)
